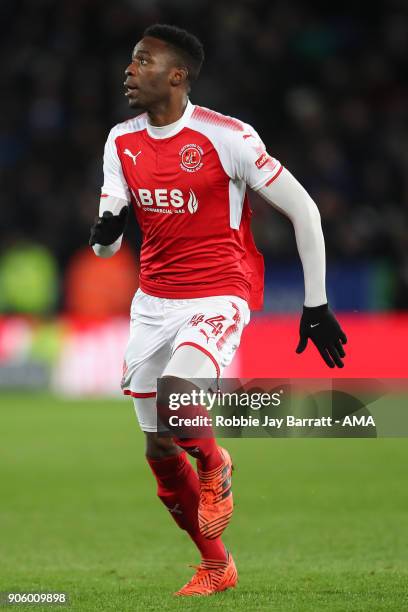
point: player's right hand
(109, 227)
(321, 326)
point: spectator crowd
(324, 86)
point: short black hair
(189, 48)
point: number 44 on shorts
(216, 323)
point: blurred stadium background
(323, 86)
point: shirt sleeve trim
(268, 180)
(115, 194)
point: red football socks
(205, 450)
(178, 488)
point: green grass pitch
(320, 524)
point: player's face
(148, 75)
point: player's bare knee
(169, 385)
(169, 389)
(158, 446)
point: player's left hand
(320, 325)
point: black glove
(109, 227)
(320, 325)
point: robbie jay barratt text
(289, 421)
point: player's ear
(178, 76)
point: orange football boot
(216, 502)
(211, 577)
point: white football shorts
(159, 327)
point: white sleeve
(115, 192)
(252, 164)
(114, 183)
(289, 197)
(107, 251)
(114, 205)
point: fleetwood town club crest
(191, 158)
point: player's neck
(168, 112)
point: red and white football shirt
(189, 195)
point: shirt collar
(166, 131)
